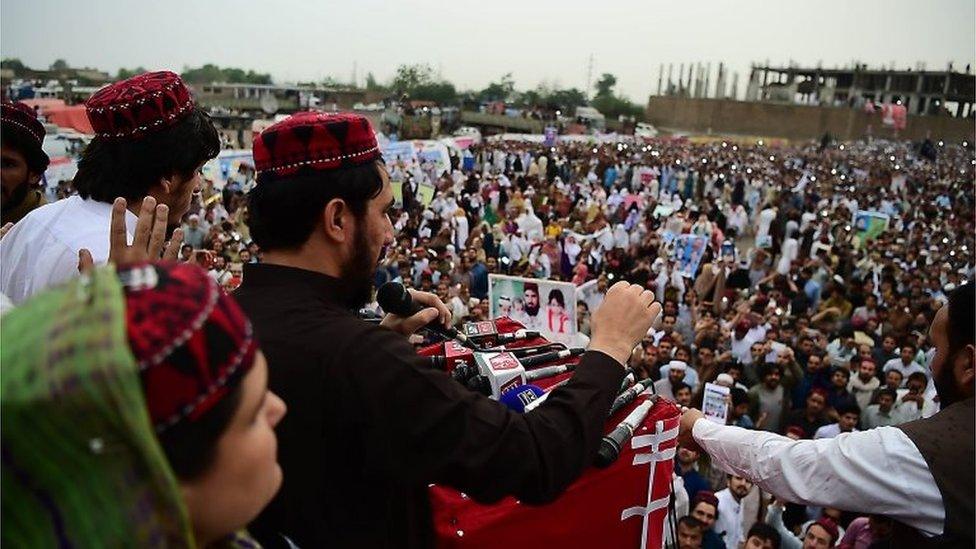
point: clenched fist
(622, 320)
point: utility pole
(354, 74)
(589, 76)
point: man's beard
(357, 273)
(945, 386)
(532, 310)
(17, 197)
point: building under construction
(922, 92)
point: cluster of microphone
(507, 375)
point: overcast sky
(474, 43)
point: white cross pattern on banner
(655, 455)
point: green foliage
(503, 90)
(442, 93)
(611, 105)
(410, 77)
(14, 64)
(59, 65)
(552, 98)
(418, 81)
(212, 73)
(567, 100)
(604, 86)
(129, 73)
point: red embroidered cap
(23, 119)
(139, 106)
(192, 342)
(316, 141)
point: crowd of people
(817, 327)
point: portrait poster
(546, 306)
(688, 252)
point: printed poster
(868, 224)
(546, 306)
(715, 404)
(688, 252)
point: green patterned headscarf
(81, 466)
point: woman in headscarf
(135, 413)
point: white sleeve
(878, 471)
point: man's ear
(33, 178)
(335, 219)
(167, 184)
(964, 366)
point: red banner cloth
(624, 505)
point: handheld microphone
(611, 444)
(519, 398)
(394, 298)
(538, 402)
(629, 395)
(548, 371)
(550, 356)
(627, 382)
(523, 352)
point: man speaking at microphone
(370, 423)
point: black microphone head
(394, 298)
(608, 452)
(479, 384)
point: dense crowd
(814, 328)
(815, 331)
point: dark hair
(34, 155)
(769, 368)
(679, 386)
(888, 392)
(848, 408)
(283, 211)
(191, 446)
(960, 322)
(689, 521)
(739, 396)
(110, 168)
(918, 376)
(558, 295)
(765, 532)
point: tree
(13, 64)
(59, 65)
(442, 93)
(418, 81)
(604, 86)
(212, 73)
(612, 107)
(566, 100)
(502, 90)
(410, 77)
(372, 84)
(127, 73)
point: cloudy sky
(473, 43)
